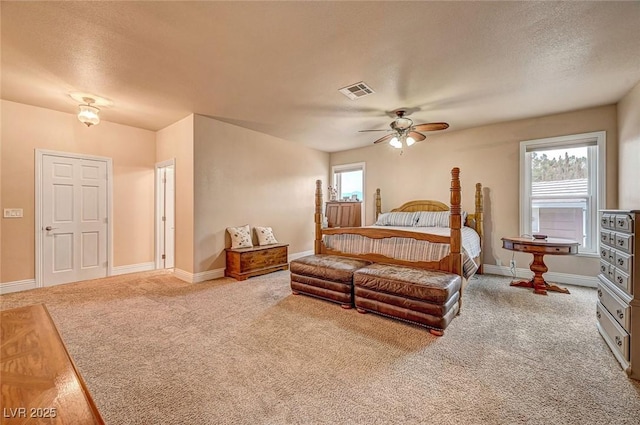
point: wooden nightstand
(243, 263)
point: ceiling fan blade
(364, 131)
(433, 126)
(385, 138)
(418, 137)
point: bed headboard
(420, 205)
(474, 220)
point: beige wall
(176, 142)
(26, 128)
(629, 150)
(489, 155)
(245, 177)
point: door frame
(158, 210)
(40, 153)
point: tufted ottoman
(424, 297)
(329, 277)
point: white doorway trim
(159, 208)
(38, 207)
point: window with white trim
(562, 187)
(348, 182)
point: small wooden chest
(243, 263)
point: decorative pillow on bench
(265, 236)
(240, 237)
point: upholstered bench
(427, 298)
(329, 277)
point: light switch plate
(13, 213)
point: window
(348, 181)
(562, 187)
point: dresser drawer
(605, 219)
(618, 308)
(605, 238)
(623, 261)
(607, 270)
(624, 223)
(617, 337)
(605, 253)
(623, 242)
(622, 280)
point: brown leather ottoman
(329, 277)
(426, 298)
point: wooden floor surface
(39, 383)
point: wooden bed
(451, 263)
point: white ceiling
(276, 67)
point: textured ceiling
(276, 67)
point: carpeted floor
(156, 350)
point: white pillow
(265, 235)
(433, 219)
(436, 218)
(240, 237)
(406, 219)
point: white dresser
(618, 307)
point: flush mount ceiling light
(88, 114)
(89, 107)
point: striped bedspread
(408, 249)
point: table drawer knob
(600, 293)
(598, 315)
(620, 313)
(619, 341)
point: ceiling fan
(405, 131)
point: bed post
(317, 217)
(456, 223)
(480, 220)
(378, 204)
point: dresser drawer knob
(620, 242)
(619, 341)
(598, 315)
(619, 279)
(620, 261)
(599, 292)
(620, 314)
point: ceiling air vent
(356, 91)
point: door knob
(49, 228)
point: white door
(74, 219)
(169, 215)
(165, 215)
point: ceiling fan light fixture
(88, 114)
(395, 143)
(410, 141)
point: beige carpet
(155, 350)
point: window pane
(559, 191)
(351, 184)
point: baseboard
(218, 273)
(133, 268)
(566, 278)
(198, 277)
(17, 286)
(300, 255)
